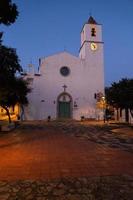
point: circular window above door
(65, 71)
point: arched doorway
(64, 106)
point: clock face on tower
(93, 46)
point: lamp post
(103, 107)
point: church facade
(66, 86)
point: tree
(21, 89)
(9, 62)
(14, 92)
(8, 12)
(120, 95)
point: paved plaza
(72, 151)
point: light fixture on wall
(75, 104)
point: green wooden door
(64, 110)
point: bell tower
(91, 54)
(91, 41)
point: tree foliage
(120, 94)
(9, 62)
(13, 89)
(14, 92)
(8, 12)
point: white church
(66, 85)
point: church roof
(62, 54)
(91, 20)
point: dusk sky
(46, 27)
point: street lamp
(103, 106)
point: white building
(65, 85)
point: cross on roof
(64, 86)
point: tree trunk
(8, 113)
(22, 113)
(117, 115)
(131, 111)
(126, 115)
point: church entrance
(64, 110)
(64, 106)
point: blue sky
(45, 27)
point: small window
(93, 32)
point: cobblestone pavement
(58, 160)
(116, 136)
(96, 188)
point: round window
(65, 71)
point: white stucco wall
(86, 78)
(82, 83)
